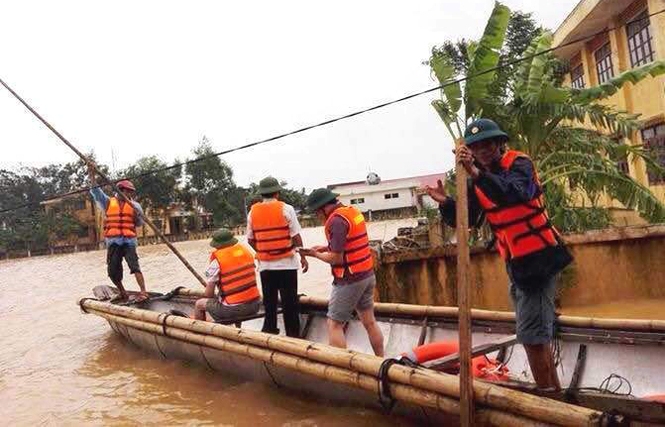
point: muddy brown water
(60, 367)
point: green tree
(544, 119)
(210, 184)
(154, 190)
(548, 121)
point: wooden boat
(608, 367)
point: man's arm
(100, 198)
(138, 215)
(334, 254)
(448, 209)
(249, 232)
(212, 278)
(294, 232)
(513, 186)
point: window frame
(641, 33)
(577, 81)
(358, 201)
(648, 135)
(604, 64)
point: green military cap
(319, 198)
(483, 129)
(223, 238)
(269, 185)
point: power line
(329, 121)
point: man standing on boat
(232, 272)
(352, 266)
(120, 222)
(273, 231)
(506, 190)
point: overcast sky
(134, 78)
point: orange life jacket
(237, 275)
(119, 220)
(357, 255)
(520, 229)
(271, 231)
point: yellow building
(634, 39)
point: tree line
(207, 185)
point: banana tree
(550, 123)
(483, 56)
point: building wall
(646, 98)
(377, 201)
(614, 265)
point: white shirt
(290, 263)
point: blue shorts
(534, 311)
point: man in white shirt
(273, 231)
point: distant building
(82, 211)
(388, 198)
(174, 220)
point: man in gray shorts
(352, 267)
(505, 190)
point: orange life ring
(655, 398)
(481, 366)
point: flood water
(60, 367)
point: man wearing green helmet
(506, 192)
(351, 264)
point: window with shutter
(653, 138)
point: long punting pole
(105, 178)
(463, 295)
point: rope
(167, 315)
(606, 386)
(82, 301)
(385, 397)
(329, 121)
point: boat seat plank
(238, 320)
(479, 350)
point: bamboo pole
(486, 394)
(643, 325)
(463, 292)
(402, 392)
(148, 222)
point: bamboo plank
(645, 325)
(448, 385)
(401, 392)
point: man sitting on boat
(231, 270)
(352, 266)
(506, 190)
(120, 222)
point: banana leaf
(486, 57)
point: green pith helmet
(483, 129)
(268, 186)
(223, 238)
(319, 198)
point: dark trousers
(286, 283)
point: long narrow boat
(611, 369)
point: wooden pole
(105, 178)
(463, 294)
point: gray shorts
(534, 312)
(225, 313)
(348, 297)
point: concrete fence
(610, 265)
